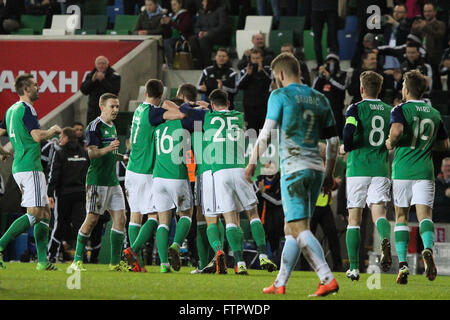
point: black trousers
(69, 214)
(319, 18)
(201, 50)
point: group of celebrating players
(156, 180)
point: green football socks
(426, 230)
(259, 235)
(202, 245)
(19, 226)
(383, 228)
(353, 238)
(182, 230)
(117, 238)
(234, 238)
(82, 240)
(162, 242)
(41, 238)
(401, 235)
(145, 234)
(214, 237)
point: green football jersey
(224, 135)
(171, 144)
(102, 171)
(370, 156)
(412, 159)
(20, 120)
(202, 159)
(142, 156)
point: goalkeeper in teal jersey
(416, 130)
(103, 191)
(23, 129)
(365, 132)
(303, 116)
(222, 165)
(139, 174)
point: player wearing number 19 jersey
(416, 130)
(365, 132)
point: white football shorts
(171, 193)
(138, 189)
(33, 186)
(102, 198)
(410, 192)
(362, 190)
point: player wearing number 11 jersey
(365, 132)
(416, 130)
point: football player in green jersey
(22, 126)
(416, 130)
(103, 189)
(139, 174)
(365, 132)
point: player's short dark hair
(154, 88)
(223, 49)
(286, 62)
(22, 82)
(77, 123)
(371, 82)
(416, 83)
(256, 51)
(188, 90)
(219, 97)
(69, 133)
(106, 96)
(177, 101)
(413, 45)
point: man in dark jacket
(255, 80)
(211, 28)
(66, 190)
(258, 42)
(101, 80)
(331, 82)
(219, 76)
(149, 21)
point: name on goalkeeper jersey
(307, 99)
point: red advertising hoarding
(58, 66)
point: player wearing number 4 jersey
(22, 126)
(365, 132)
(303, 116)
(416, 130)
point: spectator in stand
(441, 210)
(100, 80)
(325, 11)
(369, 62)
(211, 28)
(258, 42)
(79, 132)
(66, 190)
(433, 31)
(262, 11)
(395, 33)
(43, 8)
(399, 52)
(331, 82)
(149, 21)
(255, 80)
(178, 26)
(444, 67)
(10, 12)
(219, 76)
(305, 76)
(129, 6)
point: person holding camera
(258, 42)
(255, 80)
(331, 81)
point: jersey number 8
(376, 129)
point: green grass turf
(22, 281)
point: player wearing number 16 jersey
(365, 132)
(416, 130)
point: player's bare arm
(39, 135)
(96, 152)
(395, 134)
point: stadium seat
(112, 12)
(244, 41)
(308, 44)
(99, 23)
(94, 7)
(125, 22)
(347, 44)
(296, 24)
(61, 25)
(261, 23)
(351, 23)
(36, 23)
(23, 31)
(280, 37)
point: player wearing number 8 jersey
(416, 130)
(365, 132)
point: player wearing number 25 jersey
(365, 132)
(416, 129)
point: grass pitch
(22, 281)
